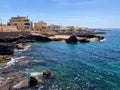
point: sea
(82, 66)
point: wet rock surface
(13, 78)
(6, 49)
(20, 46)
(72, 40)
(5, 58)
(8, 81)
(46, 73)
(33, 81)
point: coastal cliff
(6, 49)
(9, 40)
(21, 37)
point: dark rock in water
(33, 81)
(84, 41)
(100, 38)
(47, 73)
(72, 39)
(6, 49)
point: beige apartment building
(21, 22)
(6, 28)
(39, 26)
(55, 28)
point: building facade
(55, 28)
(39, 26)
(21, 22)
(6, 28)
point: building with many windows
(21, 22)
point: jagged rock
(21, 38)
(33, 81)
(20, 46)
(6, 49)
(46, 73)
(72, 39)
(84, 41)
(11, 81)
(5, 58)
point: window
(26, 23)
(15, 24)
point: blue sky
(85, 13)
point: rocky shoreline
(11, 40)
(25, 36)
(16, 80)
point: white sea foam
(14, 60)
(35, 73)
(20, 50)
(27, 47)
(103, 40)
(11, 62)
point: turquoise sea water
(90, 66)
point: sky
(83, 13)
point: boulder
(84, 41)
(46, 73)
(33, 81)
(72, 39)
